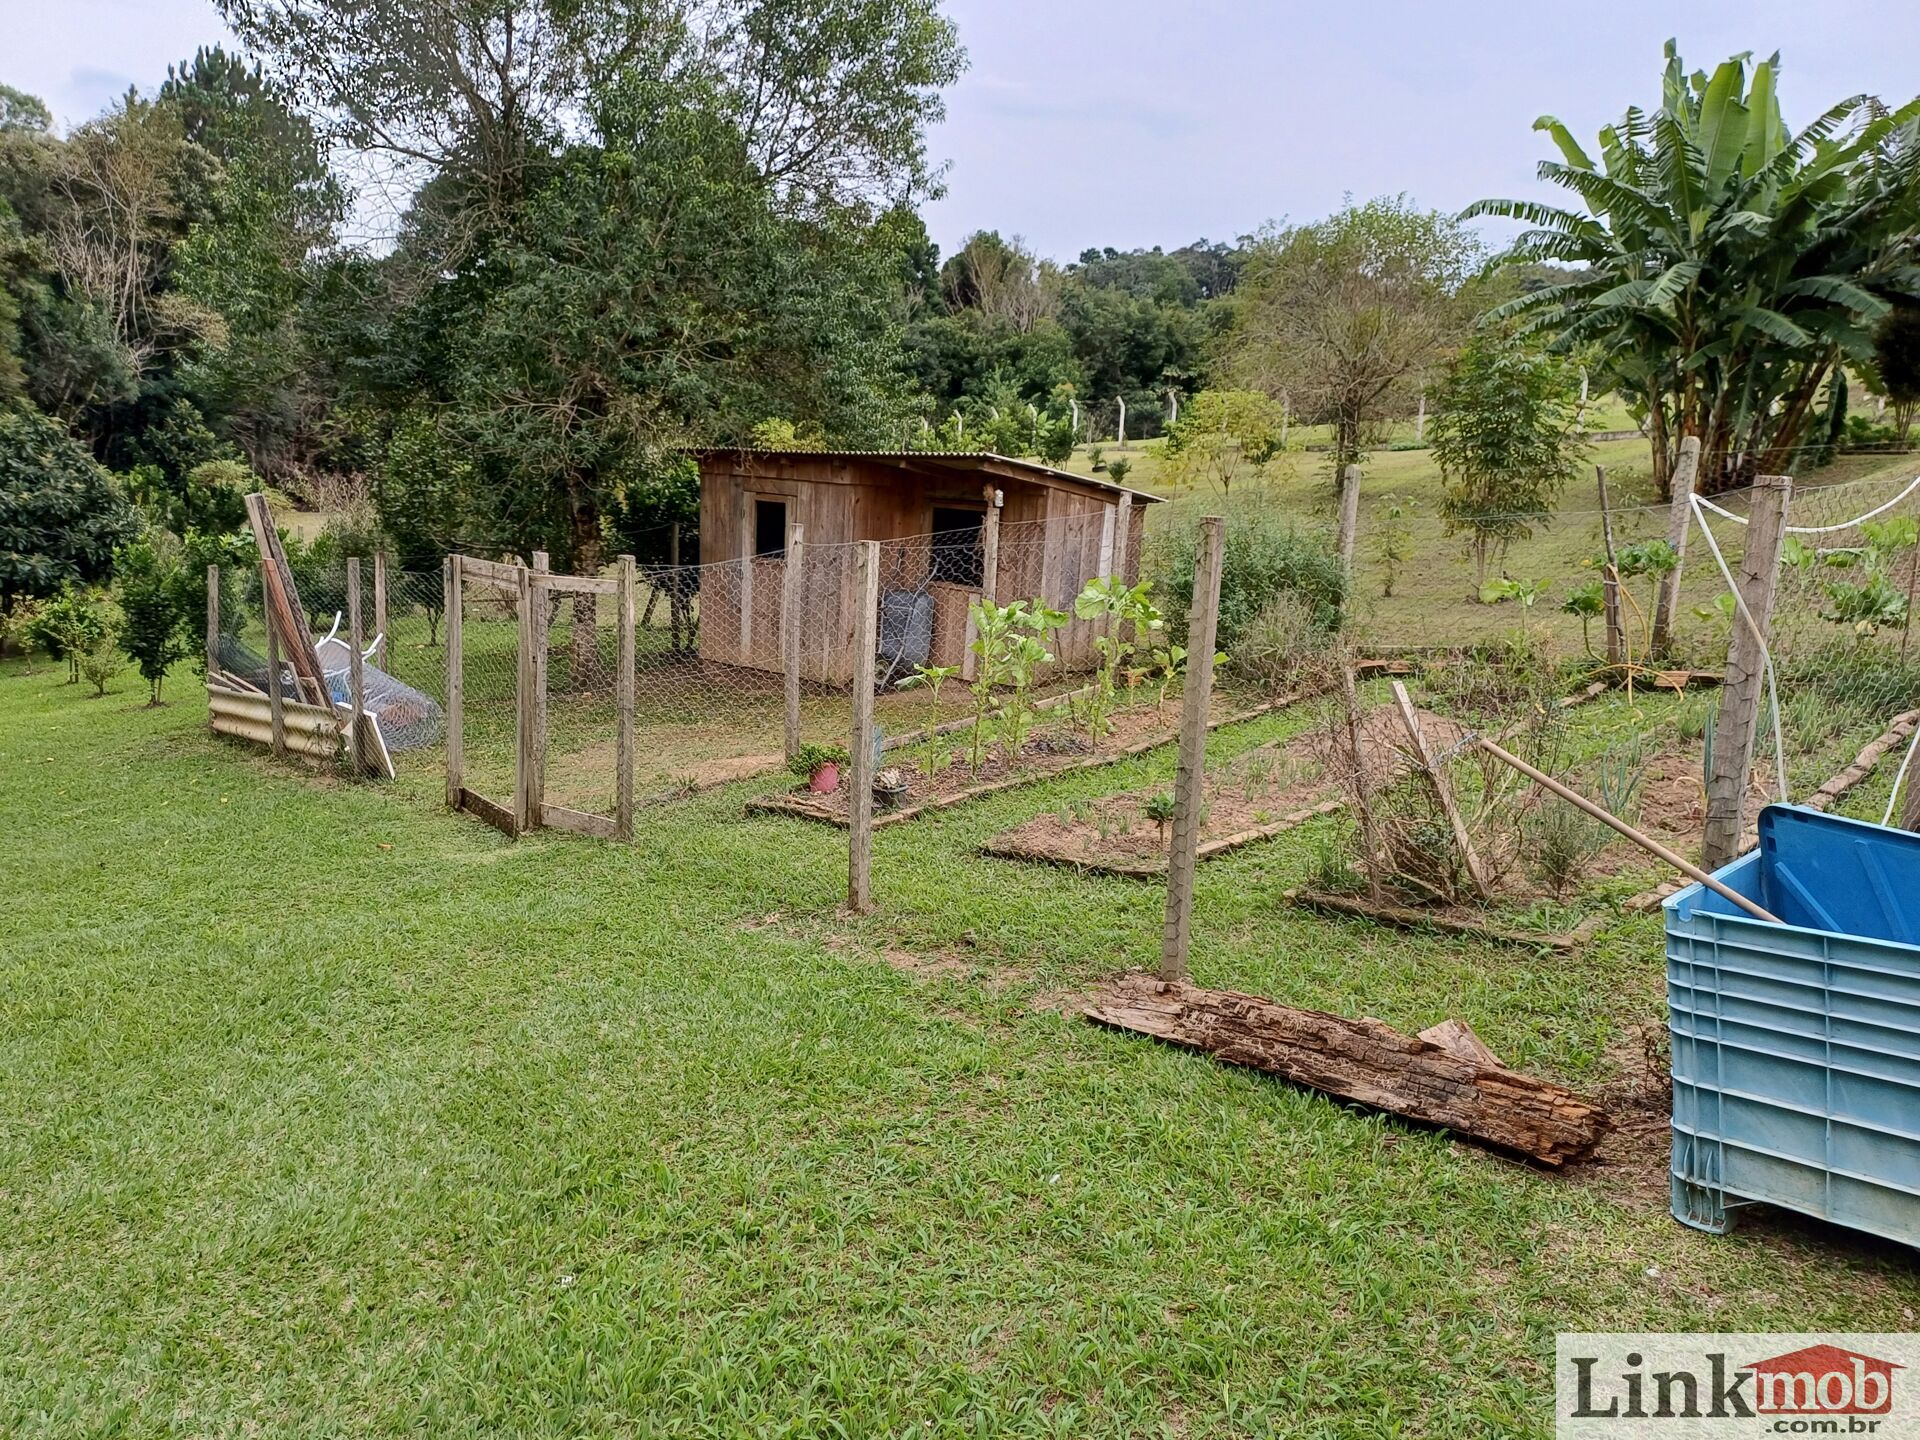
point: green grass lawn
(323, 1112)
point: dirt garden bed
(1055, 747)
(1255, 796)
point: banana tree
(1731, 267)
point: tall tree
(1730, 265)
(1343, 318)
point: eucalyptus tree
(1731, 267)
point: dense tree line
(611, 234)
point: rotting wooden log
(1459, 1037)
(1363, 1061)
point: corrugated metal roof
(938, 457)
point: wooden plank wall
(1052, 548)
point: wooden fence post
(1679, 522)
(276, 701)
(356, 678)
(623, 746)
(1610, 576)
(1190, 777)
(383, 640)
(213, 622)
(537, 690)
(528, 637)
(860, 802)
(456, 681)
(1746, 671)
(990, 547)
(1349, 521)
(792, 591)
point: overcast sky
(1125, 123)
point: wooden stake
(276, 701)
(1437, 778)
(1610, 576)
(791, 599)
(1349, 521)
(623, 747)
(356, 677)
(860, 802)
(456, 681)
(383, 641)
(1679, 522)
(1190, 777)
(1746, 671)
(1614, 822)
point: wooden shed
(954, 526)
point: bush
(100, 664)
(1285, 643)
(69, 626)
(1265, 558)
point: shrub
(810, 757)
(1265, 557)
(69, 626)
(100, 664)
(1284, 643)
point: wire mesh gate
(502, 624)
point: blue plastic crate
(1796, 1047)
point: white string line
(1900, 776)
(1912, 485)
(1766, 652)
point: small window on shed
(770, 528)
(956, 546)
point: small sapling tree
(1507, 438)
(149, 586)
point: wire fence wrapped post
(1679, 518)
(1746, 671)
(356, 675)
(791, 582)
(381, 640)
(860, 802)
(1349, 519)
(623, 761)
(1188, 785)
(452, 606)
(276, 700)
(213, 621)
